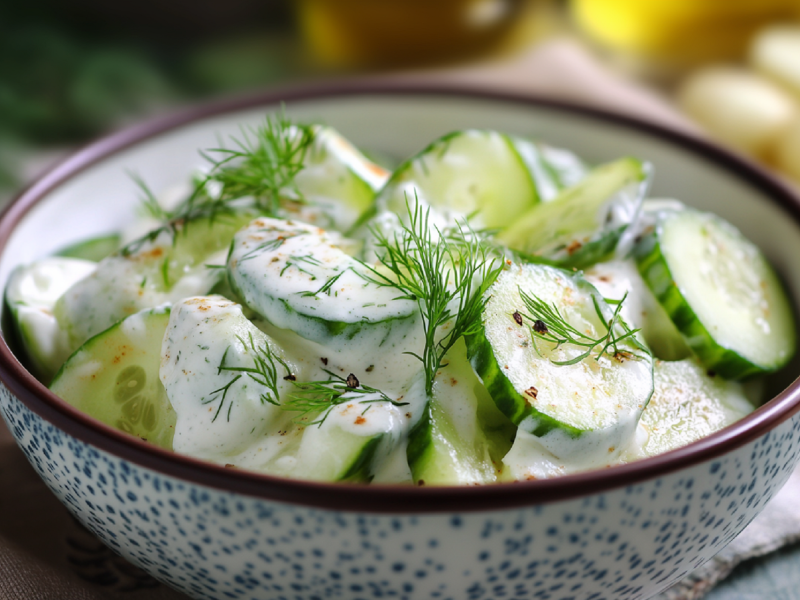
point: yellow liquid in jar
(376, 33)
(684, 30)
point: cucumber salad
(493, 309)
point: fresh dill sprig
(318, 398)
(446, 275)
(256, 174)
(149, 201)
(264, 371)
(298, 261)
(486, 237)
(263, 164)
(549, 325)
(221, 395)
(268, 246)
(326, 287)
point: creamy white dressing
(641, 309)
(31, 294)
(220, 411)
(295, 275)
(206, 333)
(123, 284)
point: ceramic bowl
(620, 533)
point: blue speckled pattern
(625, 544)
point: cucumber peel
(584, 224)
(720, 292)
(114, 378)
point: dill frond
(447, 275)
(318, 398)
(256, 174)
(263, 371)
(549, 325)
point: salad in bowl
(491, 309)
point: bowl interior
(103, 196)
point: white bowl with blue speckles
(621, 533)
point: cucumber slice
(584, 224)
(94, 249)
(337, 182)
(30, 297)
(295, 276)
(462, 436)
(472, 173)
(224, 378)
(552, 169)
(229, 383)
(113, 377)
(166, 266)
(641, 310)
(720, 292)
(332, 454)
(687, 405)
(346, 446)
(586, 410)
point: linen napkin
(47, 555)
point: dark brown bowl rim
(384, 498)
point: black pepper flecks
(352, 381)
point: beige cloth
(45, 554)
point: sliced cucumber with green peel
(230, 385)
(579, 401)
(335, 450)
(94, 249)
(720, 292)
(688, 404)
(552, 169)
(30, 298)
(473, 173)
(584, 224)
(295, 276)
(337, 182)
(461, 437)
(114, 378)
(333, 454)
(165, 266)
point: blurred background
(70, 71)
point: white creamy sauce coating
(32, 293)
(528, 460)
(220, 412)
(248, 433)
(125, 284)
(376, 362)
(641, 309)
(295, 275)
